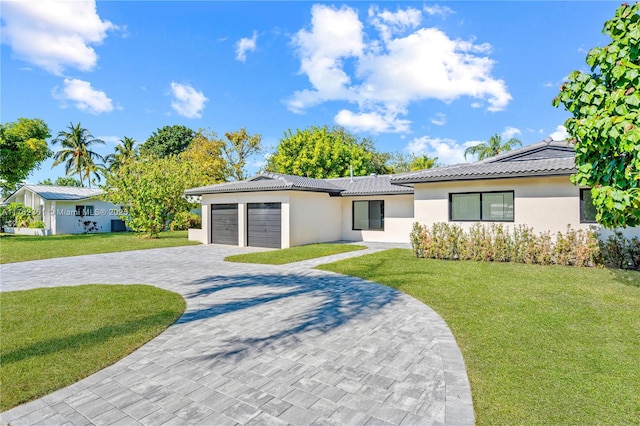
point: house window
(481, 206)
(84, 210)
(368, 215)
(587, 209)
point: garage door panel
(224, 224)
(264, 225)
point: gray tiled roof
(369, 185)
(267, 181)
(546, 158)
(63, 193)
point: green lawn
(293, 254)
(57, 336)
(18, 248)
(542, 344)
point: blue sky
(417, 77)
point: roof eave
(487, 177)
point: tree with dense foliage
(62, 181)
(493, 146)
(76, 153)
(605, 127)
(151, 191)
(23, 147)
(401, 163)
(168, 140)
(125, 151)
(206, 154)
(238, 147)
(323, 152)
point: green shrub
(36, 224)
(185, 220)
(619, 252)
(495, 243)
(17, 215)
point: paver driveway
(259, 345)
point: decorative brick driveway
(259, 345)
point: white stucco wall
(62, 219)
(314, 218)
(398, 219)
(544, 204)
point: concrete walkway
(259, 345)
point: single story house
(70, 210)
(529, 186)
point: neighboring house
(69, 210)
(528, 186)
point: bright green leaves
(23, 147)
(151, 191)
(605, 105)
(321, 152)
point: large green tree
(605, 126)
(76, 153)
(168, 140)
(152, 191)
(401, 163)
(493, 146)
(205, 153)
(323, 152)
(237, 149)
(23, 147)
(124, 152)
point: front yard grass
(293, 254)
(52, 337)
(542, 344)
(18, 248)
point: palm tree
(76, 153)
(125, 151)
(493, 147)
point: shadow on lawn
(283, 307)
(88, 339)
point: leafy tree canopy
(168, 140)
(62, 181)
(323, 152)
(401, 163)
(23, 147)
(205, 153)
(605, 128)
(492, 147)
(152, 191)
(238, 147)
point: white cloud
(389, 23)
(245, 45)
(85, 97)
(110, 139)
(393, 71)
(560, 134)
(187, 101)
(436, 9)
(510, 132)
(447, 150)
(439, 119)
(372, 122)
(54, 34)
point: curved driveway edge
(259, 345)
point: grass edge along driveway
(542, 344)
(19, 248)
(53, 337)
(293, 254)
